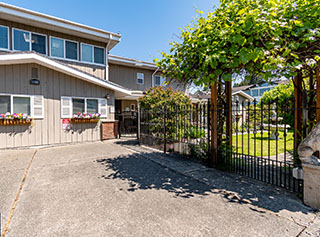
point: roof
(202, 95)
(284, 82)
(36, 19)
(242, 88)
(113, 59)
(243, 94)
(30, 57)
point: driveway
(115, 188)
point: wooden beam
(214, 122)
(297, 113)
(229, 112)
(318, 91)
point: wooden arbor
(222, 93)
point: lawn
(263, 141)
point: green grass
(267, 147)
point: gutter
(106, 76)
(153, 74)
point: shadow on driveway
(142, 173)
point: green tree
(157, 97)
(283, 95)
(266, 37)
(166, 106)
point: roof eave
(8, 59)
(21, 15)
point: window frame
(155, 80)
(31, 115)
(8, 31)
(92, 54)
(64, 49)
(85, 102)
(30, 42)
(140, 78)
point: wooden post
(229, 112)
(318, 91)
(297, 114)
(214, 122)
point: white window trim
(64, 49)
(140, 78)
(93, 46)
(31, 103)
(8, 30)
(30, 42)
(85, 104)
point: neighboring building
(52, 69)
(239, 98)
(256, 91)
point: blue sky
(147, 26)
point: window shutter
(38, 108)
(66, 107)
(103, 105)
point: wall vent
(34, 73)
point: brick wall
(109, 130)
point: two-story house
(138, 76)
(54, 72)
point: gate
(262, 143)
(128, 123)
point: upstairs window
(92, 54)
(140, 78)
(27, 41)
(254, 92)
(4, 37)
(21, 40)
(157, 80)
(57, 47)
(86, 53)
(263, 90)
(61, 48)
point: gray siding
(127, 76)
(14, 79)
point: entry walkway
(116, 188)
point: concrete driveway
(116, 189)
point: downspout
(106, 76)
(152, 77)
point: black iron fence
(128, 123)
(260, 144)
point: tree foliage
(166, 106)
(156, 98)
(283, 95)
(266, 37)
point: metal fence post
(165, 129)
(138, 121)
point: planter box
(8, 122)
(84, 120)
